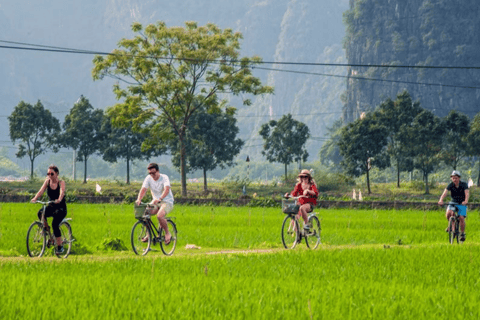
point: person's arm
(444, 194)
(40, 192)
(141, 194)
(166, 190)
(467, 195)
(314, 191)
(62, 192)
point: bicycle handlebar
(44, 203)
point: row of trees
(401, 133)
(212, 137)
(170, 86)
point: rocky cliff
(413, 33)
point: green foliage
(285, 140)
(35, 128)
(329, 153)
(112, 244)
(362, 146)
(211, 142)
(163, 94)
(455, 143)
(121, 142)
(83, 131)
(425, 140)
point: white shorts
(166, 206)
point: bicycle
(39, 238)
(144, 232)
(454, 224)
(293, 228)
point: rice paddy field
(372, 264)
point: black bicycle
(293, 228)
(39, 238)
(145, 234)
(454, 224)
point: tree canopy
(211, 142)
(455, 144)
(36, 129)
(284, 140)
(363, 145)
(83, 131)
(168, 74)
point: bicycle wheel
(290, 234)
(457, 231)
(313, 238)
(141, 238)
(451, 230)
(66, 236)
(168, 249)
(36, 240)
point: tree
(122, 142)
(473, 140)
(425, 140)
(455, 144)
(35, 127)
(363, 145)
(397, 116)
(172, 73)
(329, 153)
(211, 142)
(83, 131)
(284, 140)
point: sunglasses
(152, 173)
(50, 174)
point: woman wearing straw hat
(306, 190)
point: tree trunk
(85, 172)
(31, 168)
(478, 180)
(285, 174)
(205, 180)
(128, 170)
(128, 160)
(368, 182)
(183, 172)
(427, 191)
(398, 173)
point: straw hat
(305, 173)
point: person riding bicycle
(159, 186)
(58, 209)
(460, 194)
(306, 190)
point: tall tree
(123, 143)
(329, 152)
(211, 142)
(172, 73)
(363, 146)
(425, 137)
(455, 144)
(397, 116)
(36, 129)
(83, 131)
(284, 140)
(474, 141)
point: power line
(46, 48)
(369, 79)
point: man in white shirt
(159, 186)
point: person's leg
(448, 215)
(303, 211)
(462, 224)
(165, 208)
(57, 219)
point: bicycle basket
(139, 210)
(289, 206)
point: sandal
(167, 242)
(145, 239)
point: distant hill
(414, 33)
(276, 30)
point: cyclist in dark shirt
(460, 194)
(58, 210)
